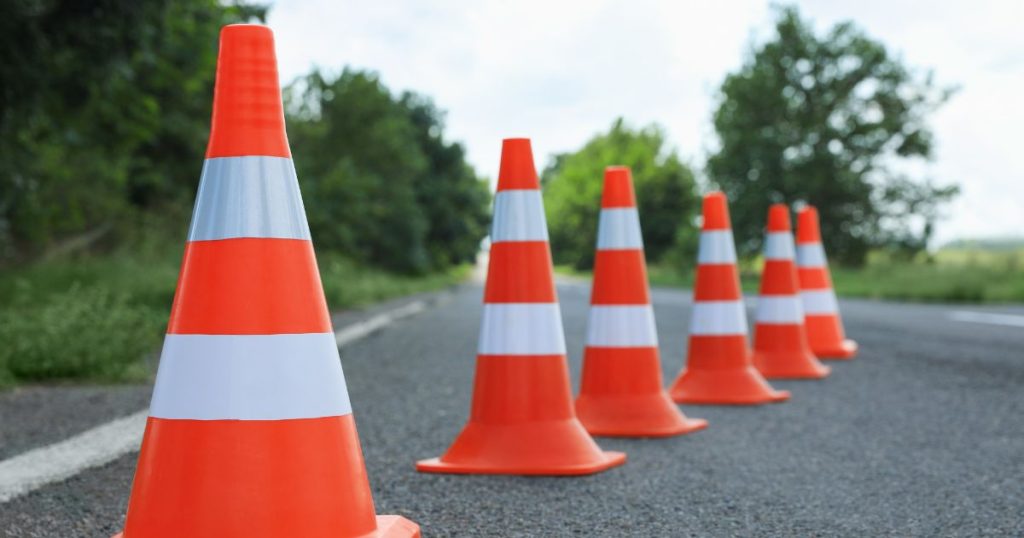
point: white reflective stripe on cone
(811, 255)
(779, 309)
(619, 229)
(718, 318)
(819, 302)
(522, 329)
(621, 326)
(248, 197)
(518, 216)
(249, 377)
(778, 246)
(716, 246)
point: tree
(104, 109)
(665, 191)
(828, 121)
(380, 183)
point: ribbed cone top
(778, 218)
(618, 188)
(807, 230)
(517, 170)
(716, 212)
(248, 117)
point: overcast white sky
(561, 71)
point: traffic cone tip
(517, 170)
(248, 114)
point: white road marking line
(1009, 320)
(98, 446)
(354, 332)
(105, 443)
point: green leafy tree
(104, 110)
(828, 120)
(381, 185)
(665, 191)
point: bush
(85, 333)
(665, 194)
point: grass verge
(96, 318)
(948, 276)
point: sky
(561, 71)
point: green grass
(96, 318)
(950, 275)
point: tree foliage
(665, 191)
(105, 113)
(829, 120)
(104, 110)
(381, 185)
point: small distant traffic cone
(781, 350)
(522, 419)
(718, 366)
(250, 430)
(821, 310)
(621, 393)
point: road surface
(921, 435)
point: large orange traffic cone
(821, 310)
(250, 430)
(781, 350)
(718, 366)
(621, 393)
(522, 420)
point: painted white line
(107, 442)
(351, 333)
(100, 445)
(1008, 320)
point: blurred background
(901, 123)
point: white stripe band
(519, 216)
(250, 377)
(248, 197)
(778, 246)
(619, 229)
(621, 326)
(718, 318)
(716, 246)
(779, 309)
(522, 329)
(811, 255)
(819, 302)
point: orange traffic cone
(821, 310)
(621, 393)
(780, 342)
(250, 430)
(718, 366)
(522, 420)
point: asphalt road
(921, 435)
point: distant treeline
(104, 117)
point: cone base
(628, 415)
(789, 366)
(550, 447)
(436, 465)
(732, 386)
(387, 527)
(844, 350)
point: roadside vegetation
(98, 317)
(955, 274)
(103, 127)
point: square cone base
(436, 465)
(789, 366)
(387, 527)
(626, 415)
(731, 386)
(844, 351)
